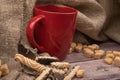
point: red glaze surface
(51, 29)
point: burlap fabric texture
(99, 20)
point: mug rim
(73, 11)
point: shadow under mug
(52, 28)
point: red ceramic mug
(52, 28)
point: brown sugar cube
(65, 70)
(0, 62)
(101, 51)
(117, 61)
(88, 52)
(93, 46)
(108, 52)
(79, 44)
(85, 46)
(70, 50)
(78, 48)
(73, 45)
(108, 60)
(89, 55)
(80, 73)
(0, 73)
(96, 46)
(98, 54)
(116, 53)
(110, 55)
(4, 69)
(0, 70)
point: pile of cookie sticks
(48, 66)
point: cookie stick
(58, 71)
(29, 62)
(44, 75)
(72, 73)
(60, 64)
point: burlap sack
(90, 19)
(96, 19)
(11, 19)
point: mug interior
(55, 8)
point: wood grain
(98, 70)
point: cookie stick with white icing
(34, 65)
(44, 75)
(58, 71)
(29, 62)
(60, 65)
(72, 73)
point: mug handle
(30, 31)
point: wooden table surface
(96, 69)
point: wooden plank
(110, 46)
(98, 70)
(76, 57)
(79, 57)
